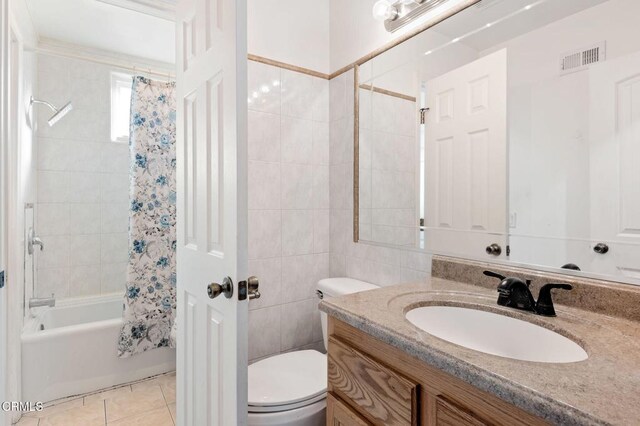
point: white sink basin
(496, 334)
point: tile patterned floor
(150, 402)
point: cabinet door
(449, 414)
(339, 414)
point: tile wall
(289, 209)
(389, 169)
(368, 262)
(82, 187)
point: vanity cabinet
(372, 383)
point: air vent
(581, 59)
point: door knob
(252, 285)
(494, 249)
(601, 248)
(214, 289)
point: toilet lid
(287, 379)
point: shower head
(57, 113)
(60, 113)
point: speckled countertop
(604, 389)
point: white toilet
(290, 389)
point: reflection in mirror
(509, 131)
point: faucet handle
(544, 305)
(494, 275)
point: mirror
(508, 132)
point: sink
(496, 334)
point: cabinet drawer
(449, 414)
(340, 414)
(381, 395)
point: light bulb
(383, 10)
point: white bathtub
(71, 349)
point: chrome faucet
(42, 301)
(515, 293)
(34, 241)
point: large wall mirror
(510, 131)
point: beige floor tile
(88, 415)
(75, 403)
(111, 393)
(172, 410)
(157, 417)
(136, 402)
(166, 382)
(27, 421)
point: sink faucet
(42, 301)
(515, 293)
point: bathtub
(71, 349)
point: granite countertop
(604, 389)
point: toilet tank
(333, 287)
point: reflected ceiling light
(384, 10)
(398, 13)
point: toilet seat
(287, 381)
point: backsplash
(288, 206)
(83, 184)
(605, 297)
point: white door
(466, 158)
(614, 141)
(4, 146)
(212, 211)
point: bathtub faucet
(42, 301)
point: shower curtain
(150, 294)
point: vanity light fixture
(397, 14)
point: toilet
(290, 389)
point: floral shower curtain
(150, 296)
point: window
(120, 106)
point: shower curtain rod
(140, 70)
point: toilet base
(310, 415)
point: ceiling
(137, 28)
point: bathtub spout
(42, 301)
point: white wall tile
(52, 219)
(114, 188)
(52, 154)
(55, 253)
(85, 218)
(53, 187)
(269, 273)
(321, 154)
(113, 278)
(264, 185)
(84, 156)
(321, 231)
(297, 181)
(114, 157)
(297, 140)
(264, 87)
(297, 232)
(320, 102)
(264, 332)
(321, 187)
(84, 187)
(114, 248)
(300, 276)
(84, 280)
(265, 234)
(264, 136)
(297, 324)
(114, 218)
(53, 281)
(84, 250)
(297, 94)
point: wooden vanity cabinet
(372, 383)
